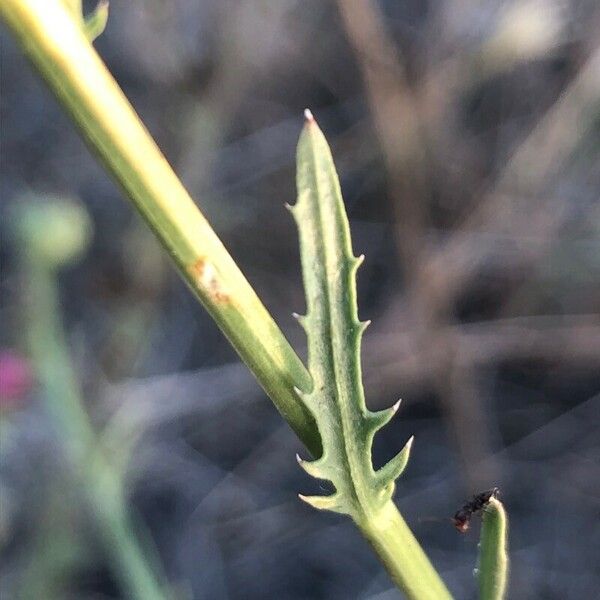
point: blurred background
(467, 138)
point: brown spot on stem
(205, 278)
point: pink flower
(15, 379)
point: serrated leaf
(334, 334)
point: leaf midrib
(353, 461)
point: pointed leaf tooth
(95, 23)
(377, 420)
(300, 392)
(303, 395)
(363, 325)
(355, 262)
(323, 502)
(301, 319)
(297, 210)
(314, 468)
(394, 408)
(394, 468)
(380, 418)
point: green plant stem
(101, 484)
(493, 557)
(403, 557)
(57, 46)
(78, 77)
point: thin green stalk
(59, 48)
(101, 484)
(402, 556)
(492, 568)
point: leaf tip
(308, 116)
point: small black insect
(462, 517)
